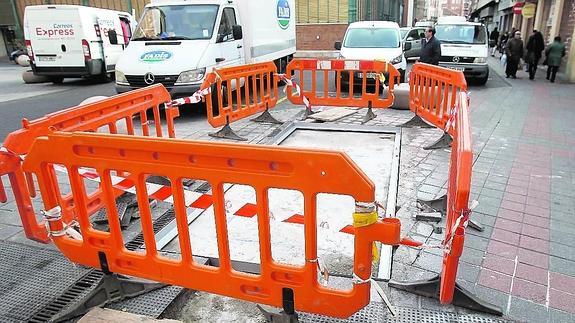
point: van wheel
(57, 80)
(482, 80)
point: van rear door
(56, 36)
(107, 22)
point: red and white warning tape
(194, 98)
(297, 89)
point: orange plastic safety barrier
(241, 91)
(307, 171)
(459, 187)
(108, 115)
(433, 92)
(369, 75)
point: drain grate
(89, 281)
(376, 312)
(30, 277)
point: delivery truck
(72, 41)
(177, 42)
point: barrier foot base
(476, 225)
(436, 205)
(226, 133)
(308, 112)
(416, 121)
(461, 297)
(111, 288)
(368, 116)
(443, 142)
(277, 315)
(266, 117)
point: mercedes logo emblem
(456, 59)
(149, 78)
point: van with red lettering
(72, 41)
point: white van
(464, 47)
(177, 42)
(371, 40)
(72, 41)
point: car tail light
(86, 49)
(29, 50)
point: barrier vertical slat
(181, 221)
(145, 217)
(111, 211)
(130, 125)
(31, 186)
(432, 96)
(262, 206)
(144, 123)
(445, 103)
(310, 227)
(157, 121)
(221, 226)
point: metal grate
(93, 277)
(151, 304)
(31, 277)
(376, 312)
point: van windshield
(178, 22)
(372, 38)
(461, 34)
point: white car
(371, 40)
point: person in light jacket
(554, 53)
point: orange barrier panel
(433, 92)
(241, 91)
(108, 113)
(458, 190)
(307, 171)
(367, 74)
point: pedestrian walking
(430, 48)
(493, 38)
(503, 42)
(514, 53)
(553, 55)
(535, 45)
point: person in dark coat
(554, 53)
(430, 48)
(514, 52)
(493, 38)
(503, 42)
(535, 45)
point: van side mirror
(337, 45)
(410, 38)
(422, 35)
(113, 37)
(406, 46)
(237, 32)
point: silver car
(412, 35)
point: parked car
(371, 40)
(413, 36)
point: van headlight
(480, 60)
(120, 77)
(397, 60)
(192, 76)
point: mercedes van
(464, 47)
